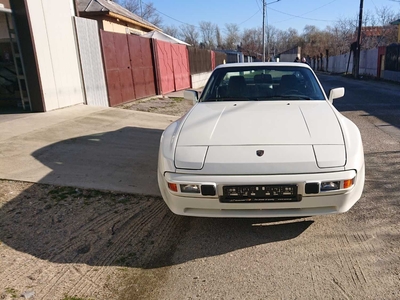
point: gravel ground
(161, 105)
(64, 242)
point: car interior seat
(264, 85)
(287, 83)
(263, 78)
(236, 86)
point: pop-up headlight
(190, 188)
(330, 186)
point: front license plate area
(260, 193)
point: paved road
(348, 256)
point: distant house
(375, 36)
(397, 23)
(233, 56)
(290, 55)
(113, 17)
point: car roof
(264, 64)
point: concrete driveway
(83, 146)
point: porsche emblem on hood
(260, 152)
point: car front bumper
(311, 204)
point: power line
(300, 17)
(176, 19)
(169, 16)
(374, 4)
(318, 8)
(250, 17)
(259, 9)
(192, 24)
(306, 13)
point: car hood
(261, 137)
(261, 123)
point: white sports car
(263, 140)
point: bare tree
(389, 33)
(232, 39)
(376, 30)
(190, 34)
(314, 41)
(171, 30)
(345, 33)
(218, 37)
(252, 41)
(146, 11)
(271, 40)
(287, 39)
(337, 40)
(207, 30)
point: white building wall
(368, 63)
(338, 64)
(56, 51)
(288, 57)
(199, 80)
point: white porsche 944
(263, 140)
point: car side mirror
(191, 95)
(335, 94)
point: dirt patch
(70, 243)
(174, 106)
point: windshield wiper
(292, 97)
(229, 99)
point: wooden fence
(199, 60)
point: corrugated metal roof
(164, 37)
(110, 6)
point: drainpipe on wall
(74, 8)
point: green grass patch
(12, 292)
(62, 193)
(177, 99)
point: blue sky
(248, 13)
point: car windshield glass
(262, 83)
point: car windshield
(262, 83)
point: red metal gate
(165, 66)
(180, 59)
(173, 66)
(117, 65)
(128, 66)
(142, 66)
(212, 60)
(381, 61)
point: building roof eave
(397, 22)
(123, 18)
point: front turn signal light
(173, 187)
(348, 183)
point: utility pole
(263, 26)
(358, 46)
(263, 38)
